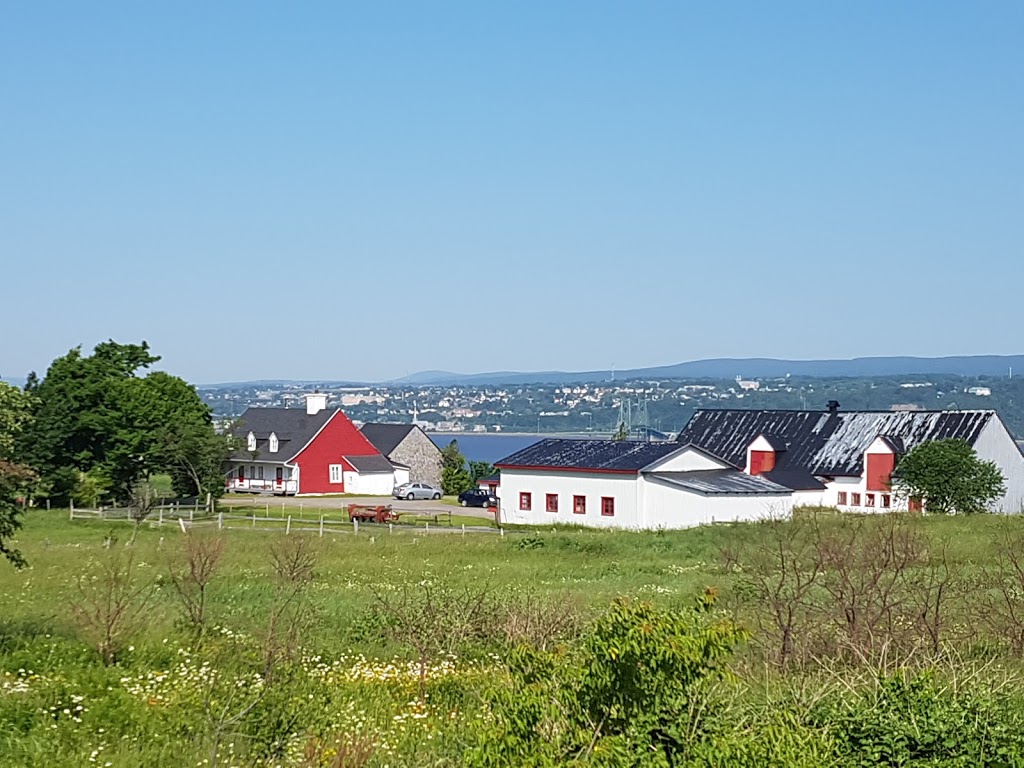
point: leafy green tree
(478, 470)
(630, 692)
(15, 482)
(95, 415)
(947, 476)
(621, 433)
(455, 477)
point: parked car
(478, 497)
(412, 491)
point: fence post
(321, 526)
(267, 514)
(355, 525)
(391, 527)
(288, 527)
(71, 511)
(160, 516)
(428, 526)
(300, 510)
(220, 521)
(47, 503)
(191, 512)
(254, 518)
(209, 501)
(463, 529)
(502, 532)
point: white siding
(669, 506)
(687, 460)
(370, 483)
(997, 445)
(401, 477)
(592, 485)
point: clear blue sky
(364, 190)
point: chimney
(315, 402)
(833, 407)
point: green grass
(575, 569)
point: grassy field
(355, 676)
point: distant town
(652, 408)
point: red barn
(313, 451)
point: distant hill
(751, 367)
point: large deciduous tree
(97, 420)
(947, 476)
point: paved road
(424, 506)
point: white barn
(851, 453)
(623, 484)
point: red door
(761, 461)
(880, 467)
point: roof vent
(833, 407)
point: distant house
(316, 450)
(852, 454)
(408, 447)
(624, 484)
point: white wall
(592, 485)
(688, 460)
(401, 477)
(369, 483)
(997, 445)
(669, 506)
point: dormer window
(273, 443)
(251, 441)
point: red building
(313, 451)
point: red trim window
(579, 505)
(551, 502)
(854, 499)
(869, 499)
(525, 501)
(607, 506)
(886, 501)
(841, 500)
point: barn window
(855, 499)
(579, 505)
(869, 500)
(337, 473)
(607, 506)
(886, 501)
(551, 502)
(525, 501)
(841, 500)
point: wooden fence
(261, 520)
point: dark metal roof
(717, 482)
(795, 479)
(822, 443)
(375, 463)
(601, 455)
(293, 426)
(386, 437)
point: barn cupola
(880, 461)
(763, 454)
(315, 402)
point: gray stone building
(408, 445)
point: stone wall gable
(418, 452)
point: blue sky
(342, 190)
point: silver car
(412, 491)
